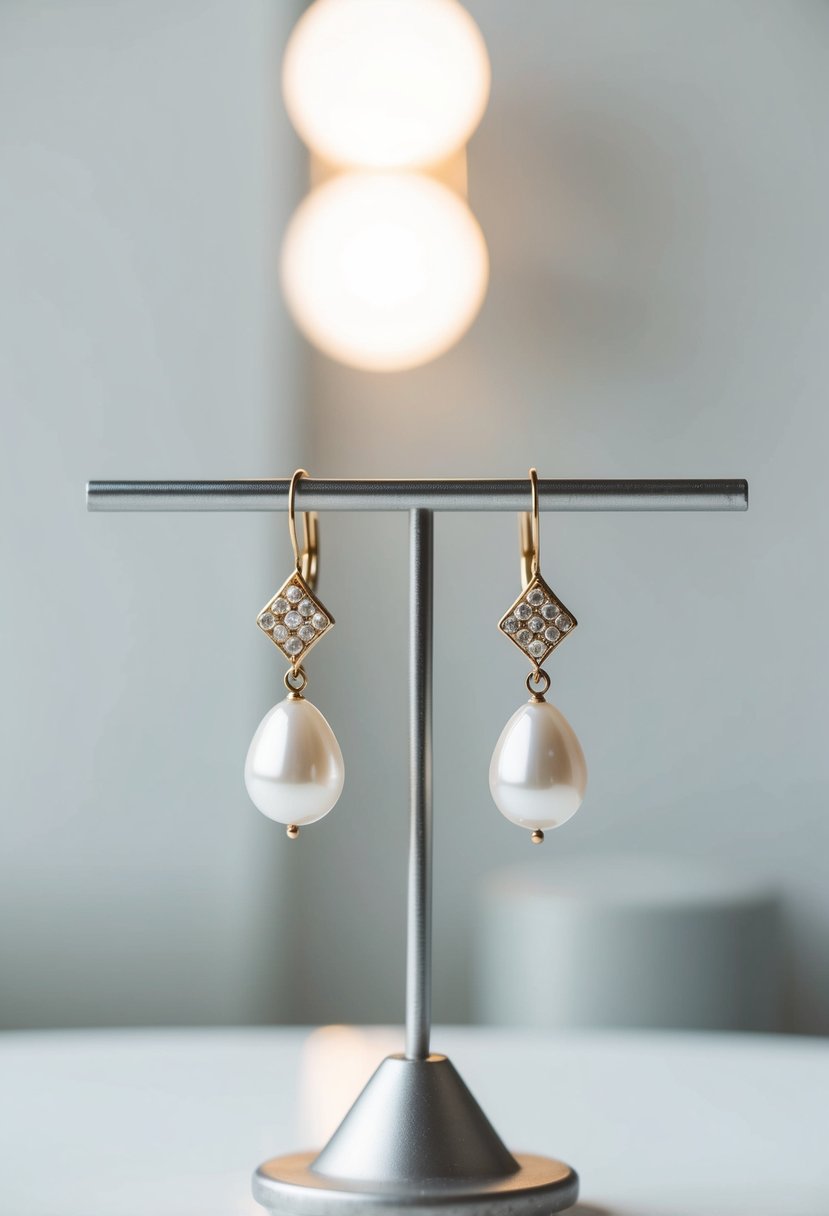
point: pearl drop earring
(294, 769)
(538, 773)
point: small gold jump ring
(295, 679)
(538, 676)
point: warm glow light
(384, 271)
(386, 83)
(336, 1063)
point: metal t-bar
(419, 931)
(420, 499)
(492, 495)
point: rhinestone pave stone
(294, 619)
(535, 607)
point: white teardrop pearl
(538, 773)
(294, 770)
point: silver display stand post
(416, 1139)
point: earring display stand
(416, 1139)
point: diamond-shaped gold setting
(538, 621)
(295, 619)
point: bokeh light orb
(384, 271)
(385, 83)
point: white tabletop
(171, 1123)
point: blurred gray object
(630, 942)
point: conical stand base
(415, 1139)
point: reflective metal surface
(539, 1187)
(474, 495)
(415, 1138)
(419, 919)
(415, 1123)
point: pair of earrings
(294, 771)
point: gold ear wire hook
(307, 558)
(528, 534)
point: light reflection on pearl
(538, 773)
(294, 771)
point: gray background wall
(146, 171)
(652, 183)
